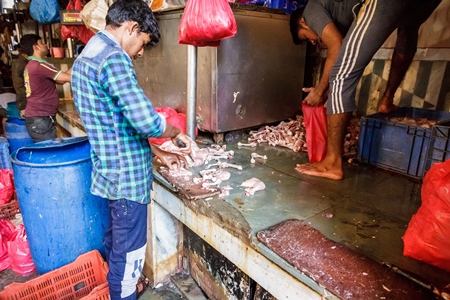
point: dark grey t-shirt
(319, 13)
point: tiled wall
(426, 85)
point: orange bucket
(57, 52)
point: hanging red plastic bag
(427, 236)
(6, 186)
(206, 22)
(80, 32)
(19, 253)
(315, 118)
(6, 231)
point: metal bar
(191, 91)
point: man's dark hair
(28, 41)
(294, 24)
(134, 10)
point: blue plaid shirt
(118, 119)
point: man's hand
(313, 98)
(173, 161)
(183, 142)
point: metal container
(253, 78)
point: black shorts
(41, 128)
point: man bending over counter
(349, 54)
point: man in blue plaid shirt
(119, 119)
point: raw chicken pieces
(253, 185)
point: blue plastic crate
(396, 146)
(439, 148)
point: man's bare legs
(399, 66)
(331, 166)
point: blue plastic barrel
(62, 218)
(5, 159)
(17, 134)
(12, 111)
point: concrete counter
(370, 211)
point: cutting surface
(342, 271)
(186, 186)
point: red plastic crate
(85, 278)
(9, 210)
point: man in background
(40, 79)
(118, 119)
(375, 23)
(18, 67)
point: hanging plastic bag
(6, 231)
(80, 32)
(315, 118)
(94, 14)
(206, 22)
(45, 11)
(427, 235)
(19, 253)
(6, 186)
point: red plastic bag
(177, 120)
(80, 32)
(427, 236)
(19, 253)
(206, 22)
(5, 263)
(6, 231)
(315, 118)
(6, 186)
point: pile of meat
(292, 135)
(417, 122)
(215, 160)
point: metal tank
(253, 78)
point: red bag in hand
(427, 236)
(19, 253)
(6, 186)
(315, 118)
(80, 32)
(206, 22)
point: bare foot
(386, 105)
(320, 170)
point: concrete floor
(370, 210)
